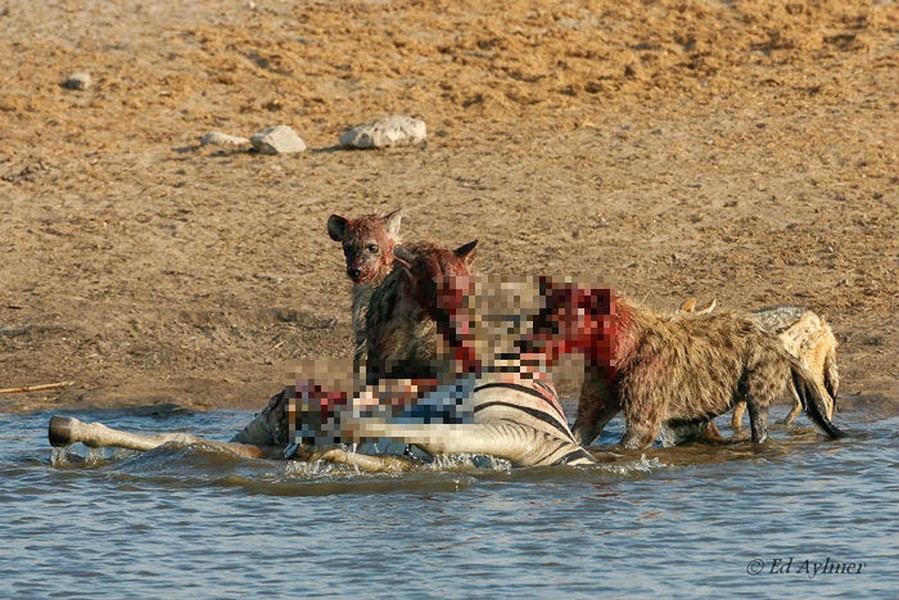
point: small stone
(217, 138)
(386, 132)
(78, 81)
(280, 139)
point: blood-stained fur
(664, 369)
(368, 243)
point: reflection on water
(691, 521)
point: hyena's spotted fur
(402, 318)
(398, 335)
(666, 370)
(368, 243)
(809, 339)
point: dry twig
(36, 388)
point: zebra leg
(364, 462)
(64, 431)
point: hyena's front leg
(643, 413)
(596, 406)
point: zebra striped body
(527, 412)
(508, 415)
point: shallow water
(682, 522)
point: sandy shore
(729, 151)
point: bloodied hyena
(663, 369)
(368, 242)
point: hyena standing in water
(368, 242)
(666, 370)
(808, 338)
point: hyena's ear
(467, 252)
(688, 306)
(337, 227)
(392, 223)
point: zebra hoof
(61, 432)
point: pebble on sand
(279, 139)
(217, 138)
(386, 132)
(78, 81)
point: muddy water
(689, 522)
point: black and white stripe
(532, 406)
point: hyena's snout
(354, 273)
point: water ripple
(667, 522)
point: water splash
(59, 459)
(469, 463)
(643, 465)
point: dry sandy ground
(745, 151)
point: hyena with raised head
(368, 243)
(666, 370)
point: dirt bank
(678, 148)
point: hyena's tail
(831, 376)
(812, 401)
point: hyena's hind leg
(763, 382)
(736, 420)
(831, 379)
(797, 406)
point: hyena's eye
(373, 248)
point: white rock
(280, 139)
(79, 81)
(386, 132)
(217, 138)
